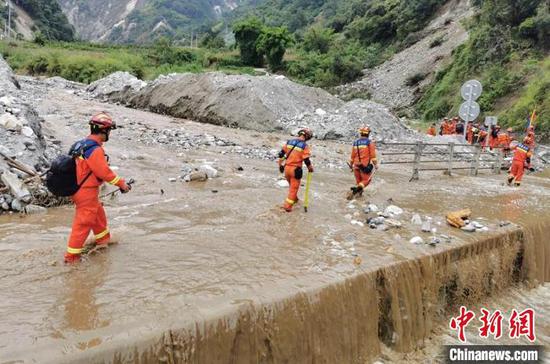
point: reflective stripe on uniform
(289, 201)
(298, 149)
(102, 234)
(114, 181)
(74, 250)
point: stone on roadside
(470, 228)
(34, 210)
(393, 223)
(371, 208)
(10, 122)
(416, 240)
(15, 185)
(16, 205)
(393, 210)
(210, 171)
(358, 223)
(28, 132)
(416, 219)
(196, 177)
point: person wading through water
(362, 162)
(291, 158)
(92, 169)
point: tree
(318, 39)
(247, 33)
(273, 43)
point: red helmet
(103, 121)
(306, 133)
(364, 130)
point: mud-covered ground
(188, 252)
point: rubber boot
(72, 258)
(510, 180)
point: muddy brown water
(226, 277)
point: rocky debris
(393, 210)
(270, 104)
(25, 152)
(200, 174)
(116, 85)
(8, 83)
(10, 122)
(399, 81)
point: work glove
(125, 188)
(310, 168)
(282, 169)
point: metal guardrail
(419, 150)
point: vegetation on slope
(508, 52)
(84, 62)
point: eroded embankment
(346, 322)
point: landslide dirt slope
(387, 83)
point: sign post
(469, 110)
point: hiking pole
(130, 182)
(308, 183)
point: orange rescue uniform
(470, 133)
(521, 160)
(432, 131)
(363, 153)
(89, 214)
(294, 152)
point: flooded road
(215, 272)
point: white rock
(7, 101)
(28, 132)
(393, 210)
(172, 179)
(477, 225)
(416, 219)
(320, 112)
(16, 205)
(283, 183)
(372, 208)
(34, 210)
(483, 229)
(427, 226)
(469, 228)
(210, 171)
(355, 222)
(10, 122)
(417, 240)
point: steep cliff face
(140, 21)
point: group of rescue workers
(494, 138)
(92, 170)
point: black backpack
(61, 177)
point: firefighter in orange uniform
(470, 133)
(293, 155)
(92, 170)
(493, 136)
(363, 161)
(531, 135)
(522, 160)
(431, 130)
(504, 140)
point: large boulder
(118, 84)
